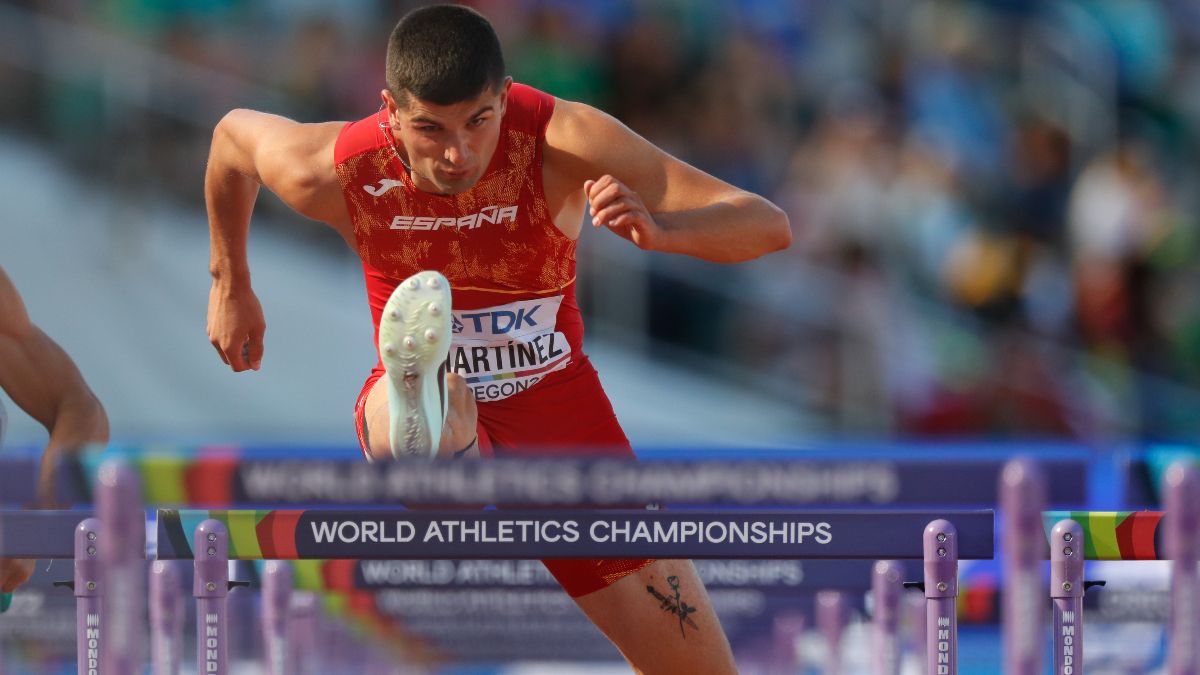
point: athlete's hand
(13, 573)
(236, 326)
(613, 205)
(462, 417)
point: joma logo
(384, 185)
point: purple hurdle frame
(886, 590)
(1066, 592)
(832, 612)
(276, 607)
(47, 534)
(166, 617)
(1022, 500)
(1182, 543)
(122, 554)
(941, 591)
(786, 629)
(302, 634)
(210, 588)
(89, 627)
(913, 605)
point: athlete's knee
(377, 447)
(373, 424)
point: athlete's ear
(504, 94)
(393, 108)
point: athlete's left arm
(653, 199)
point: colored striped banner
(168, 474)
(1114, 535)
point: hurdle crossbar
(390, 533)
(1125, 535)
(39, 534)
(233, 480)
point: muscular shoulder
(587, 142)
(579, 138)
(283, 147)
(313, 145)
(583, 143)
(292, 159)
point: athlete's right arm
(293, 160)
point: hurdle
(785, 631)
(166, 617)
(276, 603)
(219, 536)
(914, 608)
(1066, 594)
(348, 533)
(233, 477)
(832, 613)
(1022, 500)
(942, 551)
(390, 534)
(227, 479)
(1183, 546)
(1072, 537)
(122, 549)
(886, 586)
(302, 632)
(88, 589)
(1076, 536)
(210, 586)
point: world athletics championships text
(359, 531)
(552, 482)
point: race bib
(504, 350)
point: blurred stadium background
(992, 201)
(993, 204)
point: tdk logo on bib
(507, 349)
(502, 321)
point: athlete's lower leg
(458, 429)
(662, 620)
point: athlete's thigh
(566, 414)
(661, 619)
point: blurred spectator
(555, 56)
(1118, 210)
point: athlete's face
(448, 147)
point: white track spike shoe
(414, 340)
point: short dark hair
(443, 54)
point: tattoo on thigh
(674, 604)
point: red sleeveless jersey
(512, 272)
